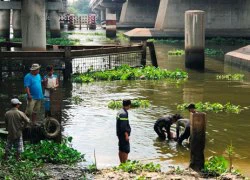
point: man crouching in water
(163, 124)
(123, 131)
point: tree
(81, 6)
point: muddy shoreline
(75, 172)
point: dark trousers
(160, 132)
(184, 135)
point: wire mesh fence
(105, 62)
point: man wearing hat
(15, 121)
(33, 88)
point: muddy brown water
(92, 124)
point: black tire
(51, 127)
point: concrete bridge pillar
(54, 24)
(16, 23)
(103, 15)
(5, 23)
(33, 25)
(139, 13)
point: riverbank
(57, 172)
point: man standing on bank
(123, 131)
(15, 121)
(33, 88)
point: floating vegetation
(122, 37)
(230, 41)
(230, 77)
(177, 52)
(215, 166)
(166, 41)
(214, 107)
(136, 167)
(51, 152)
(76, 100)
(125, 72)
(214, 52)
(87, 34)
(135, 103)
(63, 41)
(89, 39)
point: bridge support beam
(33, 25)
(54, 24)
(221, 19)
(103, 15)
(5, 23)
(16, 23)
(139, 13)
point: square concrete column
(33, 25)
(4, 23)
(54, 24)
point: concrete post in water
(5, 23)
(197, 140)
(194, 39)
(33, 25)
(16, 23)
(103, 15)
(110, 25)
(54, 24)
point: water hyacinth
(135, 103)
(125, 72)
(213, 107)
(230, 77)
(178, 52)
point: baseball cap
(15, 101)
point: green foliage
(229, 41)
(62, 41)
(214, 52)
(213, 107)
(178, 170)
(80, 6)
(136, 166)
(230, 154)
(122, 37)
(76, 100)
(51, 152)
(22, 96)
(166, 41)
(22, 170)
(216, 165)
(92, 168)
(16, 40)
(135, 103)
(125, 72)
(178, 52)
(2, 39)
(231, 77)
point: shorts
(17, 143)
(124, 146)
(33, 106)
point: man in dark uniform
(123, 131)
(163, 124)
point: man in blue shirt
(33, 88)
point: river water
(92, 124)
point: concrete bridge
(223, 17)
(29, 20)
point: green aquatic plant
(136, 166)
(51, 152)
(63, 41)
(76, 100)
(229, 41)
(126, 72)
(177, 52)
(215, 166)
(214, 52)
(231, 77)
(135, 103)
(166, 41)
(213, 107)
(230, 153)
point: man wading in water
(123, 131)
